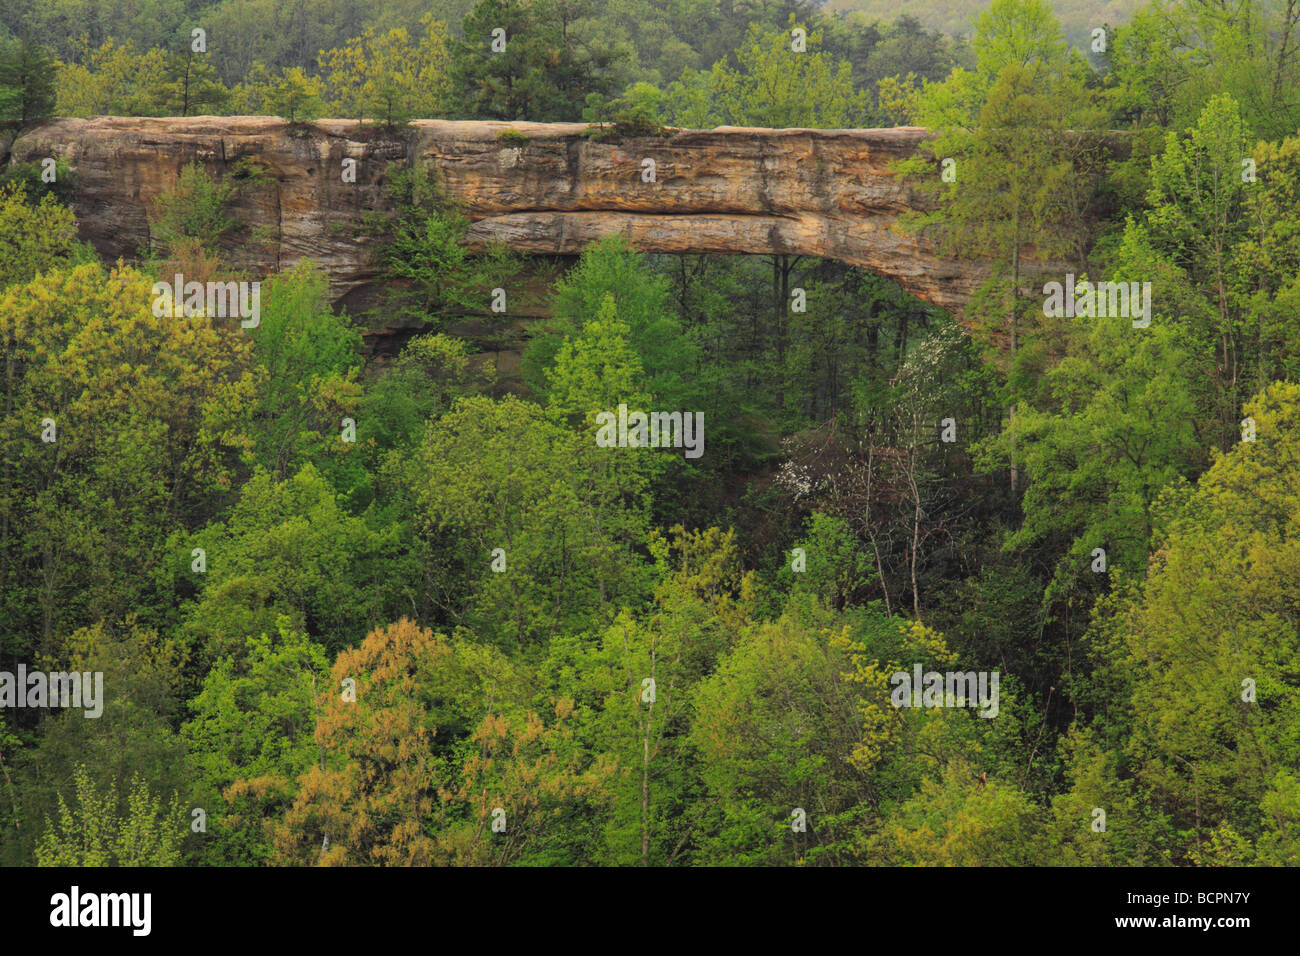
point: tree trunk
(1015, 301)
(916, 521)
(871, 531)
(645, 768)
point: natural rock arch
(543, 189)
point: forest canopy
(364, 585)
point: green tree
(1196, 219)
(1147, 68)
(1244, 53)
(250, 739)
(424, 245)
(772, 85)
(771, 723)
(26, 82)
(1020, 130)
(189, 83)
(835, 569)
(564, 512)
(596, 371)
(310, 358)
(192, 210)
(423, 382)
(554, 56)
(1268, 273)
(130, 750)
(287, 548)
(1120, 425)
(610, 269)
(643, 678)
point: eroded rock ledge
(824, 193)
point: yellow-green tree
(119, 427)
(1124, 833)
(1214, 640)
(111, 80)
(646, 673)
(960, 820)
(93, 832)
(392, 77)
(34, 238)
(296, 96)
(772, 724)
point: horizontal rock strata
(543, 189)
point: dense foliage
(353, 608)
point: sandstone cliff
(825, 193)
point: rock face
(543, 189)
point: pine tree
(26, 83)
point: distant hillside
(957, 17)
